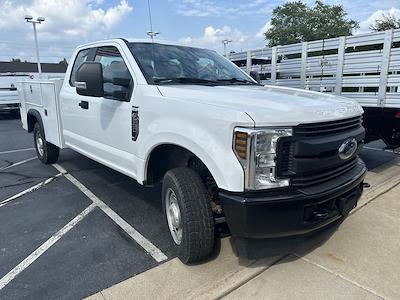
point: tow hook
(366, 185)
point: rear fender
(33, 117)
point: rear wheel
(46, 152)
(189, 216)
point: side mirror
(89, 79)
(120, 81)
(120, 95)
(255, 76)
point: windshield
(170, 64)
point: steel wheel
(39, 144)
(174, 218)
(45, 151)
(188, 213)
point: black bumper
(288, 212)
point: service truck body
(271, 161)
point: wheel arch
(165, 156)
(34, 116)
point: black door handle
(84, 104)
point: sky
(195, 22)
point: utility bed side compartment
(43, 96)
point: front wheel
(46, 152)
(189, 216)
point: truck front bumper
(286, 212)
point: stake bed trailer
(365, 68)
(223, 146)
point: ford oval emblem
(347, 149)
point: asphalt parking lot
(95, 252)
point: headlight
(256, 151)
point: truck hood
(269, 105)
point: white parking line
(150, 248)
(17, 163)
(43, 248)
(29, 190)
(17, 150)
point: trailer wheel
(46, 152)
(187, 207)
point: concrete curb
(174, 280)
(231, 282)
(382, 180)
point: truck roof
(131, 40)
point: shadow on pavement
(9, 115)
(260, 249)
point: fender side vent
(135, 123)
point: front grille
(310, 156)
(328, 128)
(321, 177)
(286, 156)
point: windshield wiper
(194, 80)
(237, 80)
(184, 80)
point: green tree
(63, 62)
(386, 22)
(295, 22)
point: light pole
(39, 20)
(152, 34)
(226, 42)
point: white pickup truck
(270, 161)
(9, 101)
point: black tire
(197, 242)
(50, 153)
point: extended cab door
(100, 127)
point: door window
(117, 81)
(80, 59)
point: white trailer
(365, 68)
